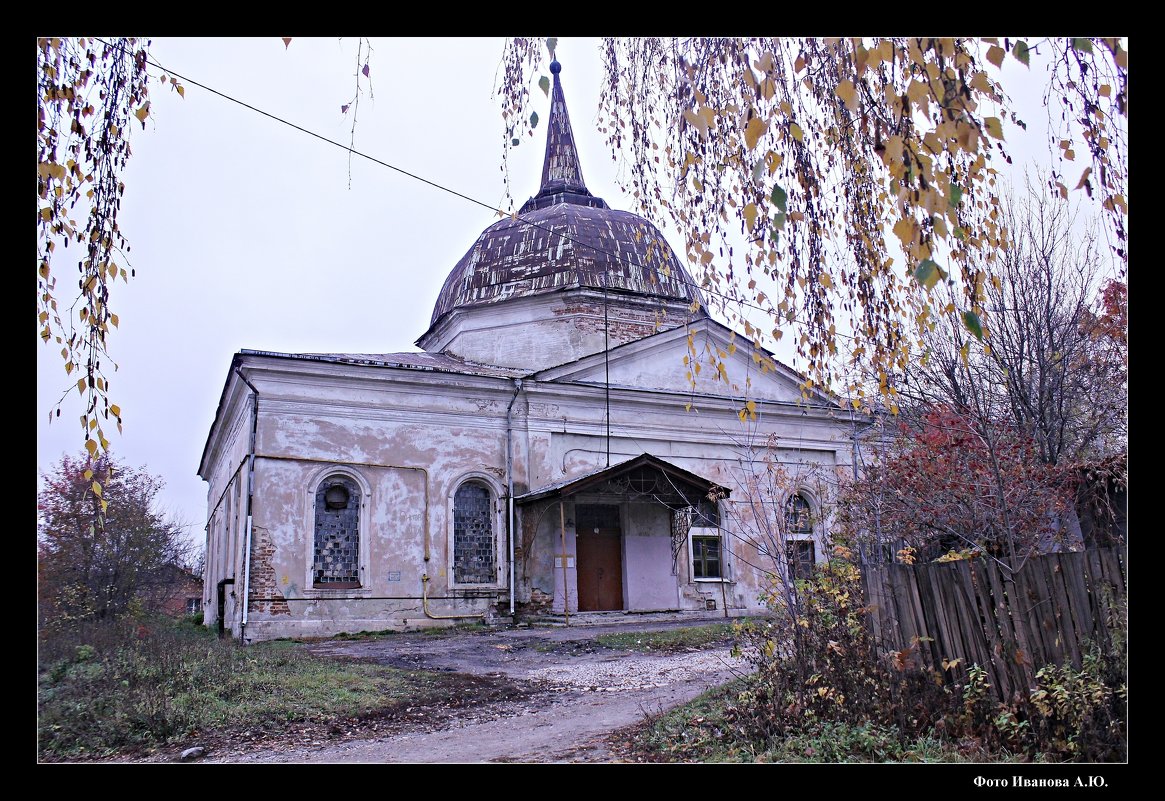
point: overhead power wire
(321, 137)
(682, 279)
(348, 148)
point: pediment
(704, 358)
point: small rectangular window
(193, 606)
(705, 557)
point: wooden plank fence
(1010, 622)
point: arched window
(474, 553)
(799, 548)
(337, 534)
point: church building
(564, 447)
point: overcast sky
(249, 234)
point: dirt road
(550, 695)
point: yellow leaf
(826, 281)
(88, 475)
(848, 94)
(97, 489)
(81, 385)
(1084, 178)
(893, 151)
(749, 213)
(697, 120)
(904, 230)
(917, 91)
(753, 132)
(796, 131)
(994, 127)
(91, 446)
(142, 113)
(115, 409)
(995, 55)
(980, 82)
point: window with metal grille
(705, 557)
(802, 557)
(474, 555)
(337, 534)
(798, 518)
(193, 606)
(707, 514)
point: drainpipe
(428, 556)
(562, 531)
(510, 492)
(250, 494)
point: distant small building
(575, 437)
(181, 593)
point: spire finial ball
(555, 67)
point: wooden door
(600, 570)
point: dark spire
(561, 170)
(562, 180)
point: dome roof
(565, 238)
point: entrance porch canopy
(644, 476)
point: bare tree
(991, 439)
(1042, 347)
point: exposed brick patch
(539, 604)
(265, 597)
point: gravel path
(574, 694)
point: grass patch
(669, 640)
(457, 628)
(131, 687)
(364, 635)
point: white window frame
(815, 526)
(704, 531)
(363, 528)
(498, 521)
